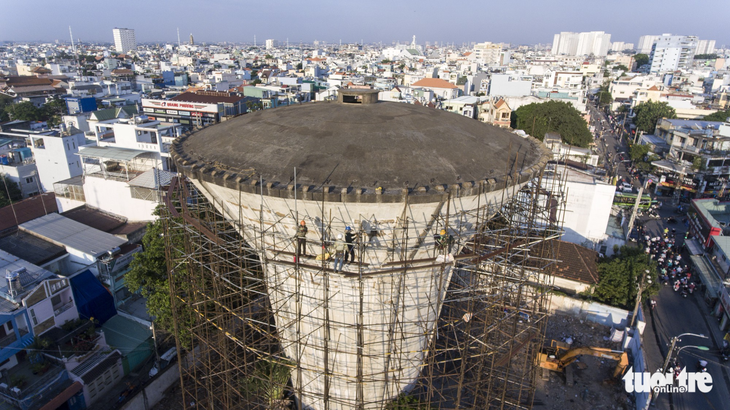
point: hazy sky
(516, 22)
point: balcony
(57, 310)
(7, 340)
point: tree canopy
(537, 119)
(649, 113)
(619, 277)
(15, 193)
(604, 96)
(641, 59)
(148, 276)
(718, 115)
(51, 111)
(638, 152)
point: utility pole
(635, 208)
(638, 297)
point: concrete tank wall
(317, 321)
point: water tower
(397, 174)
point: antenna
(178, 37)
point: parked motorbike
(702, 366)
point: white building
(705, 47)
(578, 44)
(587, 207)
(619, 46)
(124, 40)
(271, 44)
(125, 172)
(55, 155)
(487, 54)
(509, 85)
(645, 44)
(671, 53)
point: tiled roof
(433, 83)
(577, 263)
(27, 210)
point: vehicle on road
(627, 200)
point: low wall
(593, 311)
(154, 391)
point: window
(38, 143)
(29, 180)
(74, 144)
(32, 316)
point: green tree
(148, 277)
(622, 67)
(53, 110)
(718, 115)
(649, 113)
(537, 119)
(641, 59)
(638, 152)
(4, 102)
(705, 56)
(9, 186)
(619, 278)
(604, 96)
(299, 66)
(24, 111)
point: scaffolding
(479, 338)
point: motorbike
(691, 288)
(725, 351)
(676, 286)
(702, 366)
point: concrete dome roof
(390, 145)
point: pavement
(674, 315)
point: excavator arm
(571, 355)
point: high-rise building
(645, 43)
(124, 39)
(578, 44)
(619, 46)
(670, 53)
(705, 47)
(271, 43)
(487, 54)
(192, 40)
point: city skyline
(377, 21)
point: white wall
(57, 160)
(115, 197)
(588, 207)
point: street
(674, 314)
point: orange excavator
(564, 355)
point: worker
(339, 252)
(301, 237)
(444, 242)
(350, 241)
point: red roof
(433, 83)
(57, 401)
(27, 210)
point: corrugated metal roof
(115, 153)
(152, 179)
(29, 279)
(71, 234)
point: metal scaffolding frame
(481, 353)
